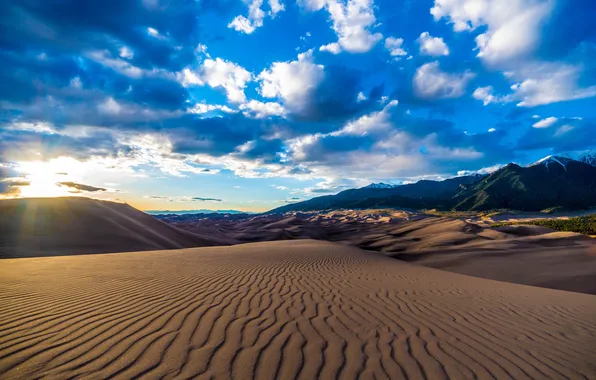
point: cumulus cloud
(202, 108)
(352, 22)
(538, 84)
(395, 46)
(256, 15)
(546, 83)
(292, 81)
(432, 83)
(261, 110)
(512, 26)
(219, 73)
(487, 96)
(333, 48)
(433, 46)
(376, 121)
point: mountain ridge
(554, 182)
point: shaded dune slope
(282, 310)
(72, 225)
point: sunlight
(44, 176)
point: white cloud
(545, 123)
(433, 46)
(432, 83)
(492, 130)
(538, 84)
(256, 15)
(395, 46)
(76, 83)
(564, 129)
(124, 67)
(153, 32)
(332, 48)
(485, 94)
(219, 73)
(291, 81)
(201, 108)
(513, 26)
(483, 171)
(262, 109)
(547, 83)
(352, 23)
(361, 97)
(276, 7)
(110, 106)
(125, 52)
(376, 121)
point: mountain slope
(416, 195)
(73, 225)
(588, 157)
(553, 182)
(570, 185)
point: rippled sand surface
(281, 310)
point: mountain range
(555, 182)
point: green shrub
(581, 224)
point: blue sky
(252, 104)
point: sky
(252, 104)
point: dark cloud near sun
(79, 187)
(10, 183)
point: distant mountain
(552, 182)
(561, 160)
(200, 211)
(588, 157)
(380, 185)
(416, 195)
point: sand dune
(73, 225)
(281, 310)
(529, 255)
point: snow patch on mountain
(562, 160)
(588, 157)
(380, 185)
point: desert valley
(297, 189)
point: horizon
(253, 105)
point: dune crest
(75, 225)
(281, 310)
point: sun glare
(45, 176)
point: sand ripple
(281, 310)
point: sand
(529, 255)
(74, 225)
(282, 310)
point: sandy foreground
(282, 310)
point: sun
(44, 177)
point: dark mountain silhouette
(551, 183)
